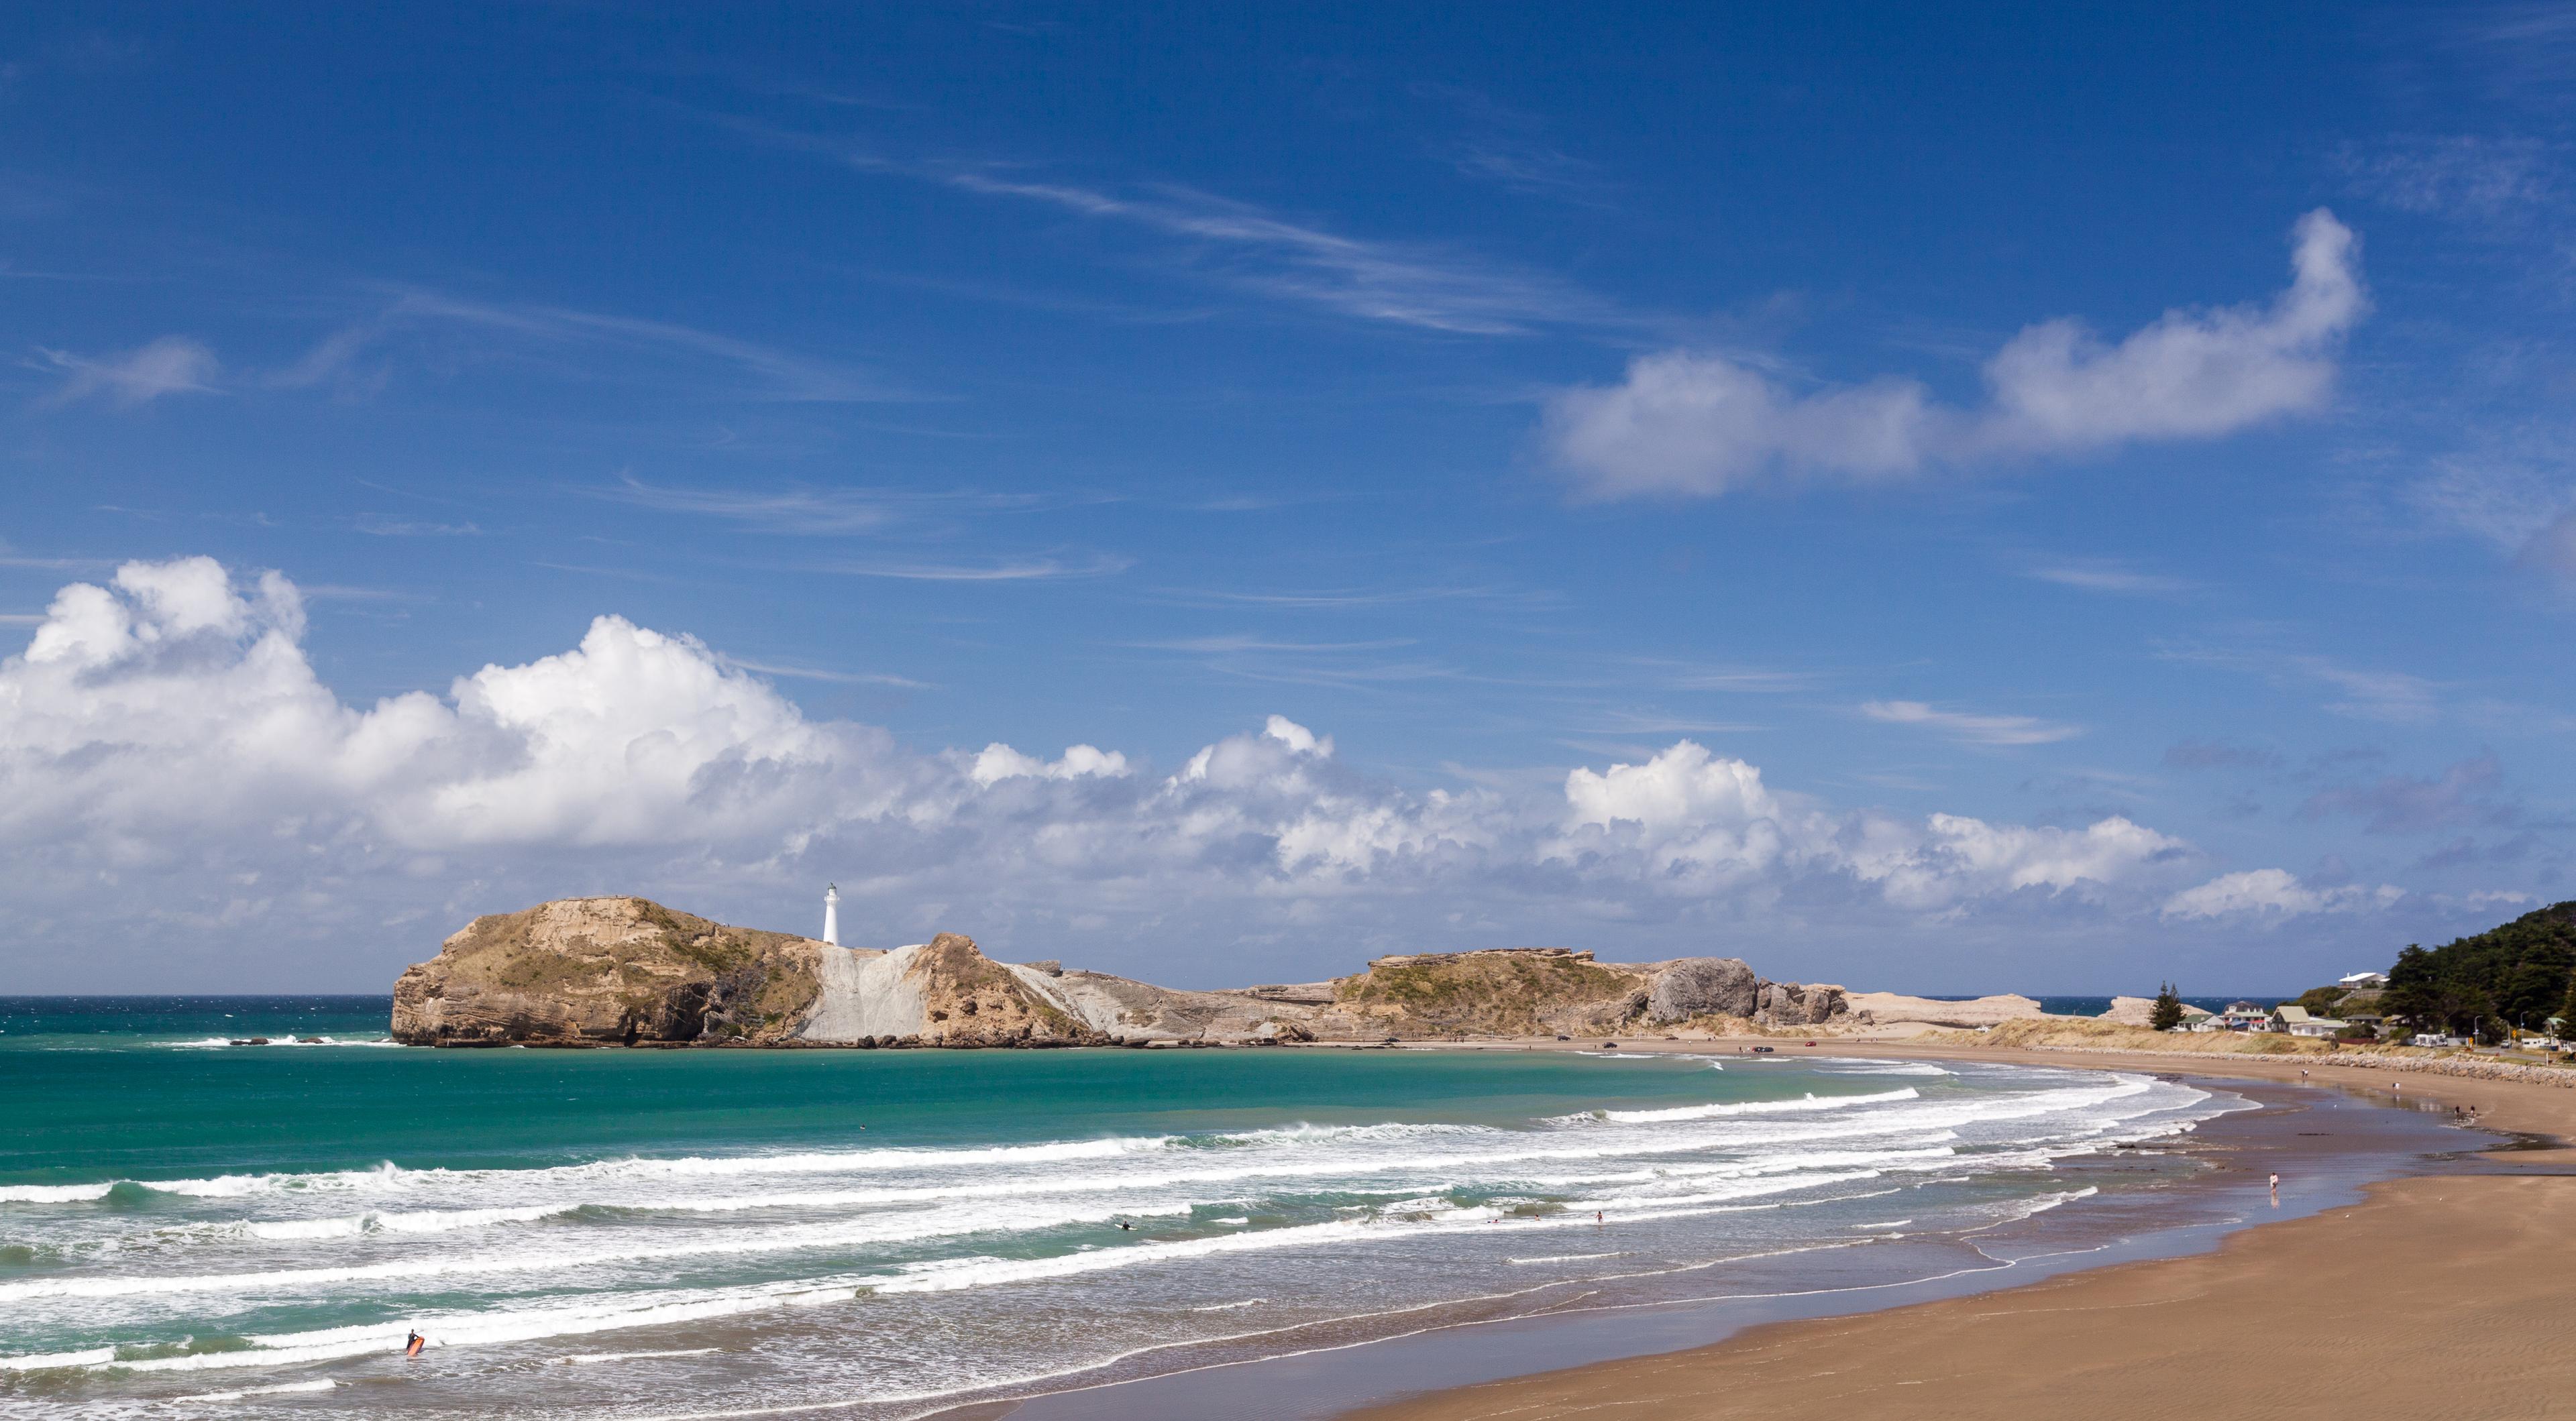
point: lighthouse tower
(832, 914)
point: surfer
(1126, 1227)
(413, 1344)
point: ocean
(194, 1224)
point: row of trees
(2522, 973)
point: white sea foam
(584, 1359)
(1721, 1110)
(281, 1389)
(47, 1361)
(1229, 1307)
(52, 1193)
(878, 1231)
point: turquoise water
(184, 1220)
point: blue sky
(1943, 501)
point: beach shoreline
(2433, 1295)
(1479, 1364)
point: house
(2289, 1017)
(2363, 979)
(2239, 1016)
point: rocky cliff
(622, 971)
(627, 971)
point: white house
(2363, 979)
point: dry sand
(2440, 1297)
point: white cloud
(1697, 424)
(1975, 729)
(997, 762)
(169, 761)
(1959, 857)
(2274, 893)
(171, 365)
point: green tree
(2167, 1013)
(2320, 1001)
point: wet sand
(2439, 1296)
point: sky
(1930, 498)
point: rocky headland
(630, 972)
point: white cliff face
(864, 994)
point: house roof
(2291, 1014)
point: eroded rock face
(606, 971)
(968, 999)
(1703, 986)
(1791, 1004)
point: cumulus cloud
(2274, 893)
(1684, 423)
(169, 760)
(999, 762)
(169, 366)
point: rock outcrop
(1789, 1004)
(1704, 986)
(607, 971)
(627, 971)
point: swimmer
(1597, 1218)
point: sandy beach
(2436, 1297)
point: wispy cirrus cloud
(823, 511)
(2364, 693)
(2106, 575)
(1407, 284)
(1424, 286)
(2496, 181)
(761, 372)
(172, 365)
(1221, 645)
(825, 674)
(1036, 569)
(1969, 727)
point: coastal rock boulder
(1703, 986)
(1794, 1004)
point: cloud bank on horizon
(169, 745)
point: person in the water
(413, 1344)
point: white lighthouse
(832, 914)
